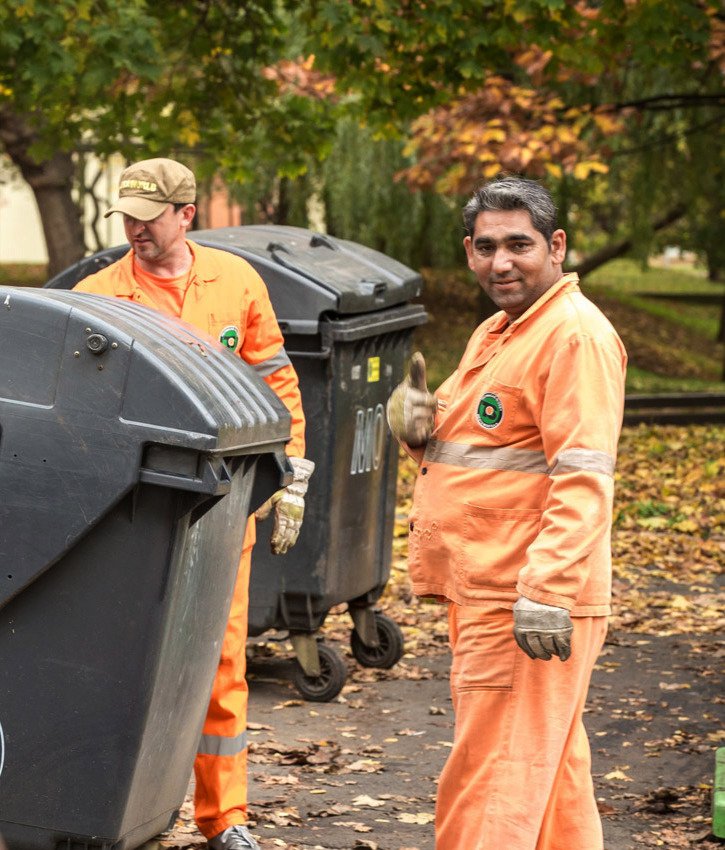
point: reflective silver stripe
(271, 364)
(218, 745)
(583, 460)
(518, 460)
(477, 457)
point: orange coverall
(226, 299)
(514, 498)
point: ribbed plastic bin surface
(129, 447)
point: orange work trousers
(220, 766)
(519, 774)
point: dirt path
(360, 772)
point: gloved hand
(542, 630)
(411, 408)
(289, 507)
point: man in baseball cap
(147, 187)
(220, 294)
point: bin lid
(308, 274)
(329, 274)
(163, 375)
(97, 395)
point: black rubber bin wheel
(388, 652)
(326, 686)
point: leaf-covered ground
(668, 539)
(360, 772)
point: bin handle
(319, 239)
(214, 479)
(286, 472)
(323, 354)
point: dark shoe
(235, 838)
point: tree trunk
(52, 183)
(619, 249)
(721, 334)
(281, 210)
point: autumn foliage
(506, 127)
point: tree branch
(618, 249)
(667, 138)
(667, 101)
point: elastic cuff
(302, 467)
(544, 597)
(237, 817)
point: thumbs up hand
(411, 408)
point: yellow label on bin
(373, 369)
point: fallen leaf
(618, 775)
(417, 817)
(363, 801)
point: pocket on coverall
(485, 652)
(493, 546)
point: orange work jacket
(514, 492)
(228, 300)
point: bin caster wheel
(389, 650)
(326, 686)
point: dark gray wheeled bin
(129, 450)
(346, 316)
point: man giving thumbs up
(411, 408)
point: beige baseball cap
(147, 187)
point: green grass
(627, 281)
(628, 276)
(642, 381)
(699, 318)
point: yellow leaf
(188, 129)
(419, 817)
(653, 522)
(25, 9)
(493, 134)
(365, 766)
(686, 525)
(606, 124)
(680, 603)
(582, 170)
(367, 802)
(553, 168)
(618, 775)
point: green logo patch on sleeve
(229, 337)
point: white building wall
(21, 233)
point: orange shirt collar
(201, 273)
(566, 283)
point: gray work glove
(411, 408)
(542, 630)
(289, 507)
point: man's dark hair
(513, 193)
(178, 207)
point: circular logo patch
(490, 410)
(229, 337)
